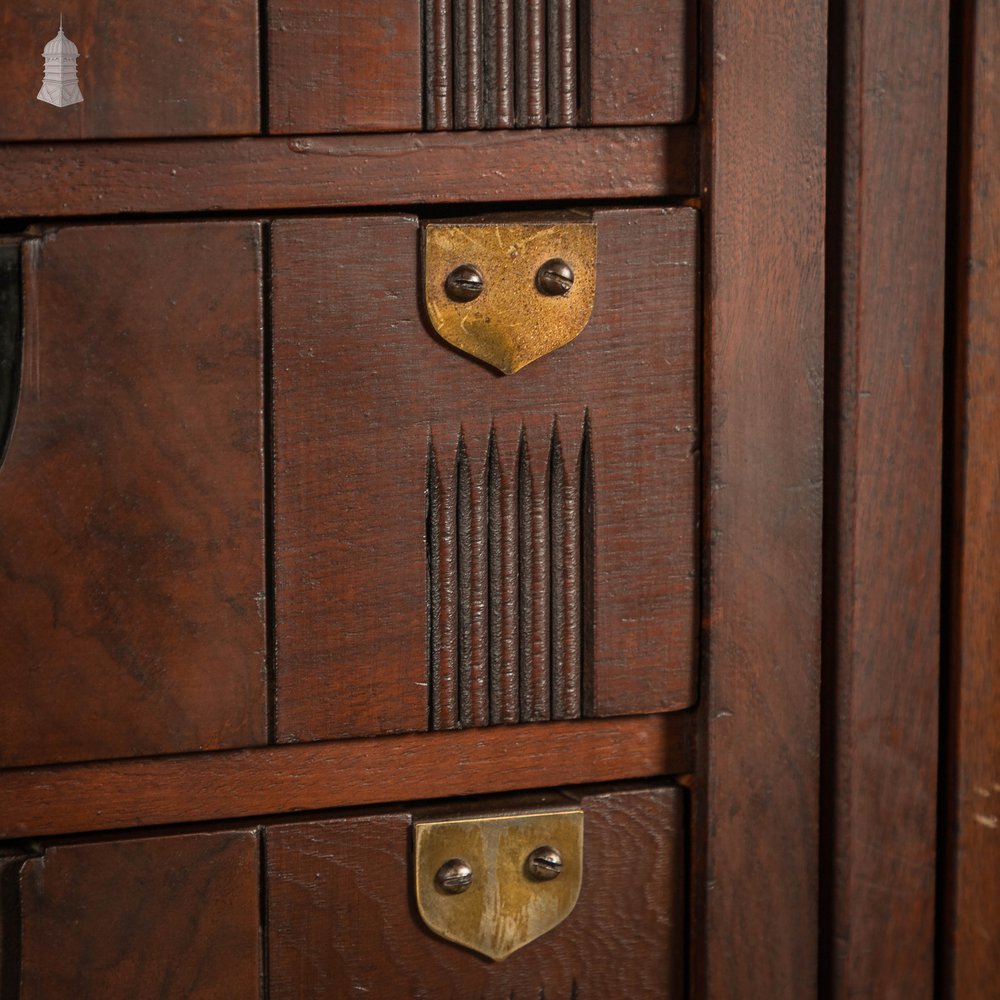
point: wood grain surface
(971, 915)
(343, 67)
(131, 525)
(343, 171)
(146, 68)
(361, 386)
(756, 908)
(267, 780)
(341, 920)
(638, 61)
(882, 630)
(175, 917)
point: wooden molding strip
(110, 795)
(756, 840)
(888, 203)
(271, 173)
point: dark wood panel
(344, 67)
(756, 907)
(191, 787)
(886, 310)
(131, 525)
(173, 917)
(638, 61)
(362, 386)
(145, 68)
(971, 917)
(11, 859)
(343, 171)
(341, 921)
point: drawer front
(458, 548)
(131, 497)
(173, 917)
(341, 920)
(324, 907)
(144, 69)
(466, 64)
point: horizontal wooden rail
(109, 795)
(343, 171)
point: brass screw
(454, 876)
(464, 284)
(544, 864)
(555, 277)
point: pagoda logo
(60, 86)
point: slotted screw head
(544, 863)
(454, 876)
(555, 277)
(464, 284)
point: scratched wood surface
(146, 68)
(971, 930)
(362, 389)
(344, 67)
(262, 174)
(341, 921)
(882, 638)
(638, 61)
(175, 917)
(756, 904)
(131, 524)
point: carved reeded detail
(508, 567)
(500, 64)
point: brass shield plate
(511, 323)
(504, 908)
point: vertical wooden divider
(764, 173)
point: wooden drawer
(463, 64)
(420, 497)
(131, 496)
(451, 548)
(146, 68)
(342, 922)
(184, 915)
(168, 916)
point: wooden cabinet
(283, 571)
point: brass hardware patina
(520, 877)
(510, 293)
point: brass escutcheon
(503, 308)
(505, 898)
